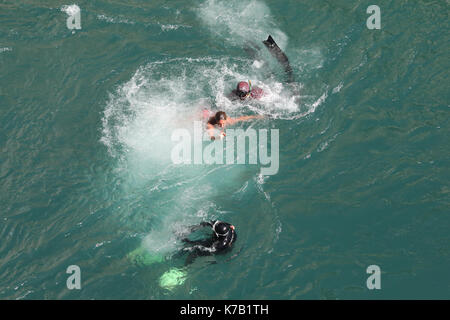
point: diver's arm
(206, 245)
(207, 223)
(199, 226)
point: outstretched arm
(199, 226)
(195, 228)
(243, 118)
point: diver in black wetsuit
(222, 239)
(244, 90)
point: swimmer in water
(224, 235)
(244, 91)
(221, 120)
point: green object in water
(172, 278)
(142, 257)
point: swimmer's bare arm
(231, 121)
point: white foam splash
(338, 88)
(170, 27)
(169, 94)
(114, 20)
(319, 101)
(160, 95)
(71, 10)
(240, 21)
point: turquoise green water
(85, 171)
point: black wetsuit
(206, 247)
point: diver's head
(243, 90)
(221, 229)
(220, 117)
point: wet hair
(220, 116)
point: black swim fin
(280, 56)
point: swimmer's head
(243, 90)
(221, 229)
(221, 118)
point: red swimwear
(256, 93)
